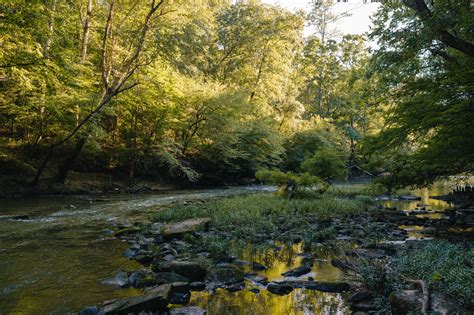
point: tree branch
(450, 40)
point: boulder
(176, 230)
(255, 278)
(169, 277)
(119, 280)
(406, 301)
(197, 286)
(258, 267)
(335, 287)
(279, 288)
(188, 310)
(225, 275)
(154, 300)
(444, 305)
(179, 293)
(191, 270)
(361, 295)
(297, 272)
(341, 264)
(235, 287)
(141, 279)
(127, 231)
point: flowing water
(53, 263)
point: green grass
(264, 216)
(446, 267)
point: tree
(428, 84)
(117, 67)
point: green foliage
(428, 87)
(279, 178)
(318, 235)
(261, 216)
(327, 164)
(217, 247)
(375, 277)
(445, 267)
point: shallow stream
(53, 262)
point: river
(53, 262)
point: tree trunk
(86, 31)
(67, 164)
(49, 38)
(110, 89)
(131, 173)
(352, 147)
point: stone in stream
(188, 310)
(21, 217)
(341, 264)
(361, 295)
(191, 270)
(154, 300)
(119, 280)
(297, 272)
(409, 198)
(169, 277)
(223, 276)
(368, 253)
(197, 286)
(141, 279)
(180, 293)
(127, 231)
(258, 267)
(334, 287)
(176, 230)
(235, 287)
(90, 310)
(143, 257)
(406, 301)
(255, 278)
(362, 301)
(279, 288)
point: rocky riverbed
(179, 269)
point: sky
(357, 23)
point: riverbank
(204, 246)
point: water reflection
(425, 202)
(278, 258)
(248, 303)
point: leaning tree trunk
(68, 163)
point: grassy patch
(264, 216)
(446, 267)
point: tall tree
(428, 85)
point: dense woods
(212, 91)
(364, 144)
